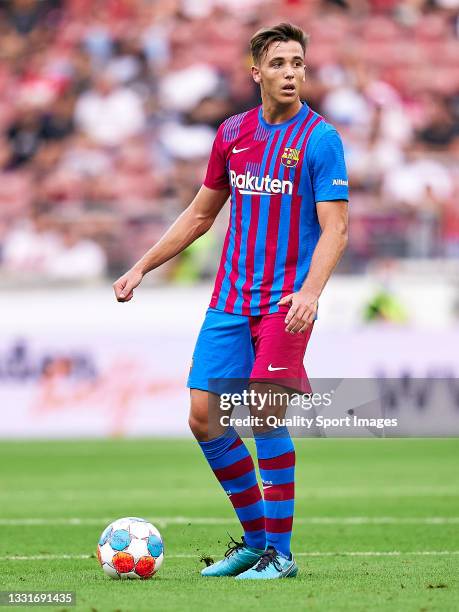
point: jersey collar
(274, 126)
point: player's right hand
(125, 285)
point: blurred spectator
(24, 136)
(183, 88)
(16, 187)
(41, 247)
(439, 127)
(31, 246)
(77, 258)
(25, 15)
(109, 113)
(57, 122)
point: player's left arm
(333, 219)
(327, 170)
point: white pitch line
(313, 492)
(43, 557)
(209, 520)
(351, 553)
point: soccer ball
(130, 548)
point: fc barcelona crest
(290, 157)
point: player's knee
(199, 425)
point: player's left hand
(302, 311)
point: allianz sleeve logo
(340, 182)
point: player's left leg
(276, 462)
(278, 371)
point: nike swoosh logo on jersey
(240, 150)
(271, 369)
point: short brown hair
(283, 32)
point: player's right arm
(195, 221)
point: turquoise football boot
(271, 566)
(238, 558)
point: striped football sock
(276, 460)
(233, 466)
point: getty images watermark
(339, 407)
(250, 398)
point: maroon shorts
(279, 355)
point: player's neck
(279, 113)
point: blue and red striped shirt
(276, 174)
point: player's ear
(256, 74)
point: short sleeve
(217, 175)
(328, 169)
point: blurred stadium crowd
(109, 109)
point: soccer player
(283, 167)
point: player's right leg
(232, 464)
(224, 353)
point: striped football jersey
(275, 173)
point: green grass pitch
(377, 525)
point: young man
(284, 170)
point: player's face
(281, 72)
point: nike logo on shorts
(272, 369)
(240, 150)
